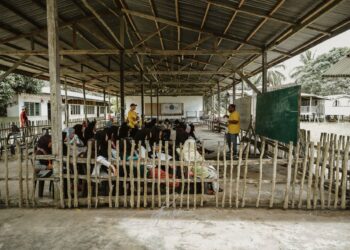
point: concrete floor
(174, 229)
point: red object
(23, 119)
(163, 176)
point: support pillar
(264, 71)
(219, 101)
(84, 96)
(104, 105)
(142, 99)
(66, 117)
(151, 96)
(157, 102)
(55, 95)
(234, 90)
(122, 101)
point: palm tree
(305, 58)
(274, 76)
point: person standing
(24, 122)
(233, 128)
(132, 119)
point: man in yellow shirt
(233, 128)
(132, 116)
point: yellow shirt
(234, 128)
(132, 118)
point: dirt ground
(174, 229)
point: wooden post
(66, 104)
(264, 71)
(104, 105)
(234, 89)
(151, 97)
(122, 101)
(142, 99)
(219, 100)
(55, 96)
(84, 96)
(157, 102)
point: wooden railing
(316, 181)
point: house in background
(337, 107)
(39, 108)
(312, 107)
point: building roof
(185, 46)
(338, 96)
(340, 69)
(314, 96)
(71, 95)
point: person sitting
(123, 131)
(43, 168)
(89, 132)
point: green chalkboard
(277, 114)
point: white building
(338, 105)
(38, 105)
(312, 107)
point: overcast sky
(341, 40)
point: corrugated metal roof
(340, 69)
(231, 24)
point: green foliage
(309, 75)
(274, 76)
(16, 84)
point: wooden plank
(245, 175)
(323, 172)
(301, 189)
(331, 170)
(125, 174)
(296, 166)
(262, 151)
(241, 147)
(20, 182)
(117, 179)
(88, 173)
(317, 170)
(110, 186)
(310, 174)
(274, 172)
(345, 167)
(131, 169)
(337, 163)
(289, 174)
(75, 172)
(138, 170)
(7, 195)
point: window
(102, 110)
(336, 103)
(90, 110)
(33, 108)
(75, 109)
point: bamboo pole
(310, 174)
(75, 170)
(331, 170)
(224, 175)
(68, 176)
(117, 181)
(7, 195)
(131, 168)
(167, 199)
(218, 175)
(345, 174)
(174, 175)
(27, 174)
(231, 174)
(20, 177)
(138, 170)
(110, 186)
(182, 174)
(262, 151)
(323, 172)
(289, 175)
(245, 175)
(145, 176)
(88, 171)
(159, 167)
(303, 174)
(97, 178)
(337, 163)
(188, 177)
(195, 177)
(317, 169)
(33, 178)
(153, 172)
(296, 166)
(61, 184)
(125, 173)
(239, 173)
(274, 172)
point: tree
(17, 84)
(274, 76)
(309, 75)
